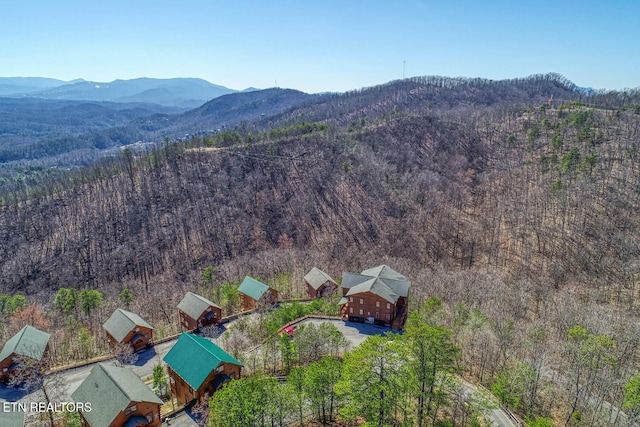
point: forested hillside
(545, 188)
(45, 134)
(519, 212)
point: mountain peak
(183, 92)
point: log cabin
(197, 312)
(319, 284)
(28, 344)
(126, 328)
(197, 367)
(118, 398)
(252, 292)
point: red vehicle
(289, 330)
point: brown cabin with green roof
(126, 328)
(197, 367)
(197, 312)
(28, 344)
(118, 398)
(252, 292)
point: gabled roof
(11, 418)
(252, 288)
(384, 272)
(29, 342)
(377, 287)
(382, 281)
(110, 390)
(194, 305)
(122, 322)
(317, 278)
(349, 280)
(193, 358)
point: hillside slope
(548, 194)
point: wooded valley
(514, 203)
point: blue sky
(323, 45)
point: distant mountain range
(178, 92)
(50, 128)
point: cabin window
(220, 368)
(350, 299)
(136, 330)
(388, 305)
(131, 409)
(361, 301)
(377, 315)
(388, 316)
(360, 312)
(149, 417)
(377, 303)
(209, 309)
(350, 311)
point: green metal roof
(122, 322)
(317, 277)
(110, 390)
(11, 418)
(252, 288)
(29, 342)
(193, 358)
(194, 305)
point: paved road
(497, 416)
(183, 419)
(356, 333)
(147, 360)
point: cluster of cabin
(196, 366)
(125, 328)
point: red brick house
(197, 312)
(377, 295)
(28, 344)
(118, 398)
(126, 328)
(253, 292)
(197, 367)
(319, 284)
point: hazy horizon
(334, 46)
